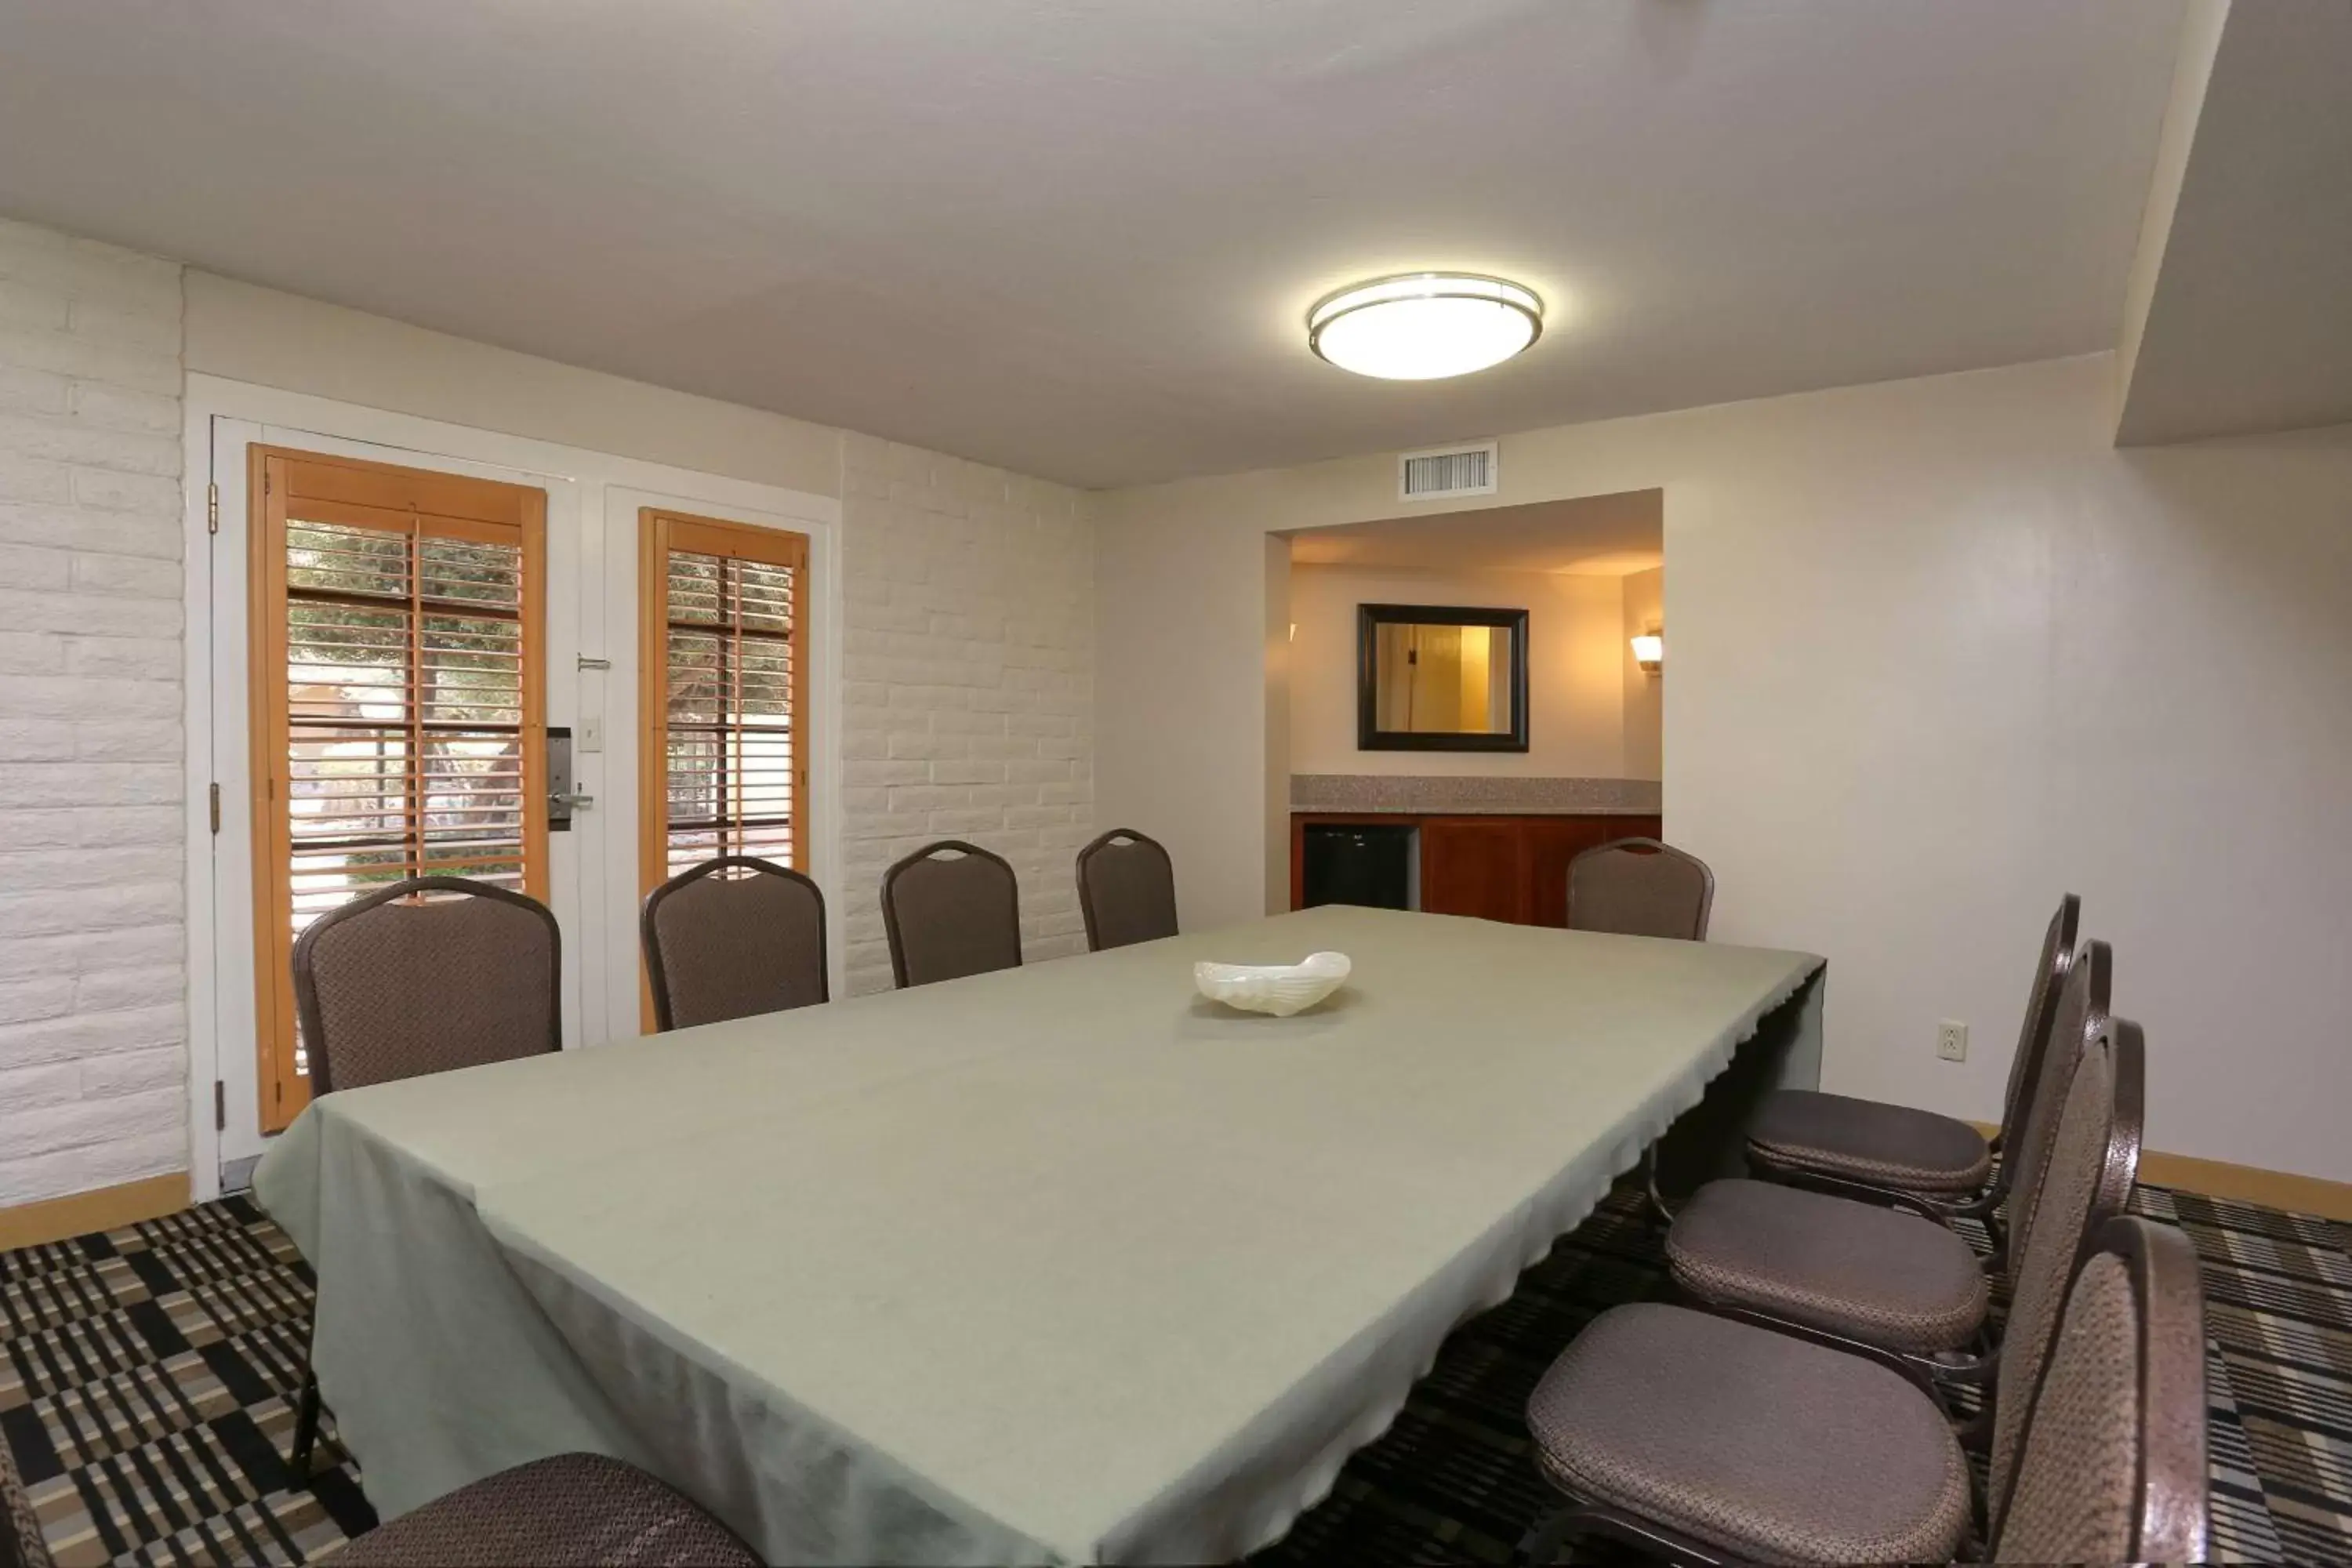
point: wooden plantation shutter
(723, 690)
(397, 702)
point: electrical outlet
(1952, 1040)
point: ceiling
(1078, 239)
(2249, 313)
(1592, 536)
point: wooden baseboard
(2247, 1184)
(55, 1219)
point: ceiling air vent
(1443, 472)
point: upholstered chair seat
(1882, 1275)
(1866, 1141)
(574, 1510)
(1767, 1446)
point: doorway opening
(1472, 702)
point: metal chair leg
(1539, 1547)
(1976, 1433)
(306, 1426)
(1659, 1209)
(1582, 1521)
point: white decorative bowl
(1280, 989)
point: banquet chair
(1839, 1143)
(426, 976)
(22, 1543)
(2113, 1463)
(1704, 1437)
(573, 1509)
(950, 909)
(733, 937)
(1893, 1278)
(1640, 887)
(1127, 890)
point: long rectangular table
(1060, 1264)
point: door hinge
(215, 797)
(220, 1106)
(212, 509)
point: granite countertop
(1473, 796)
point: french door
(399, 645)
(396, 618)
(390, 636)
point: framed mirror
(1441, 677)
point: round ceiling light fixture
(1424, 326)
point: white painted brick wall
(968, 648)
(969, 643)
(93, 1024)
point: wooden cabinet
(1475, 865)
(1509, 868)
(1552, 842)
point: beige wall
(1939, 652)
(1645, 694)
(2202, 23)
(1576, 692)
(1273, 753)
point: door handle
(562, 803)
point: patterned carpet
(145, 1395)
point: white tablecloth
(1059, 1264)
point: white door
(615, 609)
(234, 1000)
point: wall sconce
(1650, 652)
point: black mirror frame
(1369, 618)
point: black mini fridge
(1352, 864)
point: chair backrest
(732, 937)
(2040, 1013)
(2080, 1014)
(427, 974)
(22, 1543)
(2113, 1467)
(1126, 890)
(2094, 1161)
(1639, 887)
(950, 909)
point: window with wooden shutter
(723, 692)
(397, 711)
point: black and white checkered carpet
(146, 1396)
